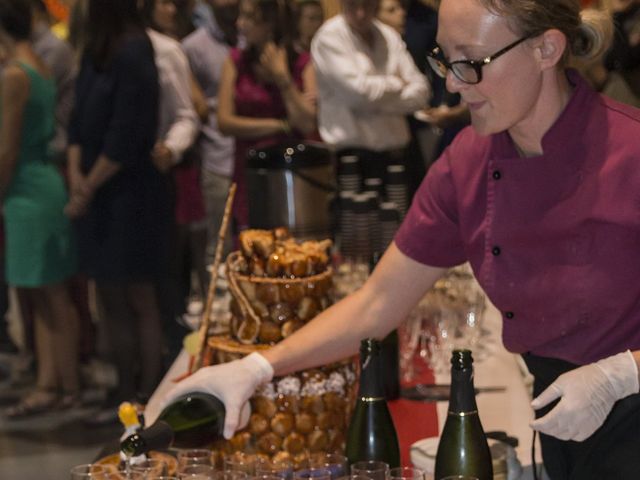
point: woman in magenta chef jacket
(542, 196)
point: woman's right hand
(233, 383)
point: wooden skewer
(206, 316)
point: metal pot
(291, 185)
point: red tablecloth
(414, 420)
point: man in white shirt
(367, 84)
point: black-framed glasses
(467, 71)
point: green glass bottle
(372, 435)
(190, 421)
(463, 448)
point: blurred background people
(207, 48)
(177, 131)
(119, 199)
(308, 18)
(40, 252)
(392, 13)
(266, 90)
(367, 84)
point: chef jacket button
(509, 315)
(496, 251)
(497, 175)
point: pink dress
(258, 100)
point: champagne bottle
(463, 448)
(192, 420)
(389, 351)
(372, 435)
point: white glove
(587, 395)
(233, 383)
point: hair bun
(595, 34)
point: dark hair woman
(119, 199)
(266, 88)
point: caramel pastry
(317, 441)
(312, 404)
(257, 266)
(294, 443)
(269, 443)
(258, 424)
(248, 331)
(292, 292)
(325, 302)
(275, 265)
(282, 424)
(336, 441)
(262, 457)
(281, 233)
(240, 441)
(300, 460)
(281, 458)
(305, 422)
(280, 312)
(265, 407)
(333, 401)
(307, 309)
(260, 308)
(297, 265)
(268, 293)
(288, 403)
(325, 420)
(291, 326)
(269, 332)
(264, 243)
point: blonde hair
(589, 32)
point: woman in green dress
(40, 255)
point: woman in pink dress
(267, 91)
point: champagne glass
(313, 473)
(334, 462)
(89, 471)
(194, 456)
(267, 467)
(372, 469)
(406, 473)
(240, 462)
(199, 472)
(149, 468)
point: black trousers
(611, 453)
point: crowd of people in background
(119, 143)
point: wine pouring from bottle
(192, 420)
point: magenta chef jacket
(554, 240)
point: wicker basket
(293, 416)
(265, 310)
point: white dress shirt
(365, 92)
(178, 123)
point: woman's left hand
(274, 61)
(587, 395)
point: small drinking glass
(334, 462)
(373, 469)
(459, 477)
(353, 477)
(150, 468)
(230, 476)
(240, 462)
(406, 473)
(89, 471)
(195, 456)
(313, 473)
(280, 469)
(198, 472)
